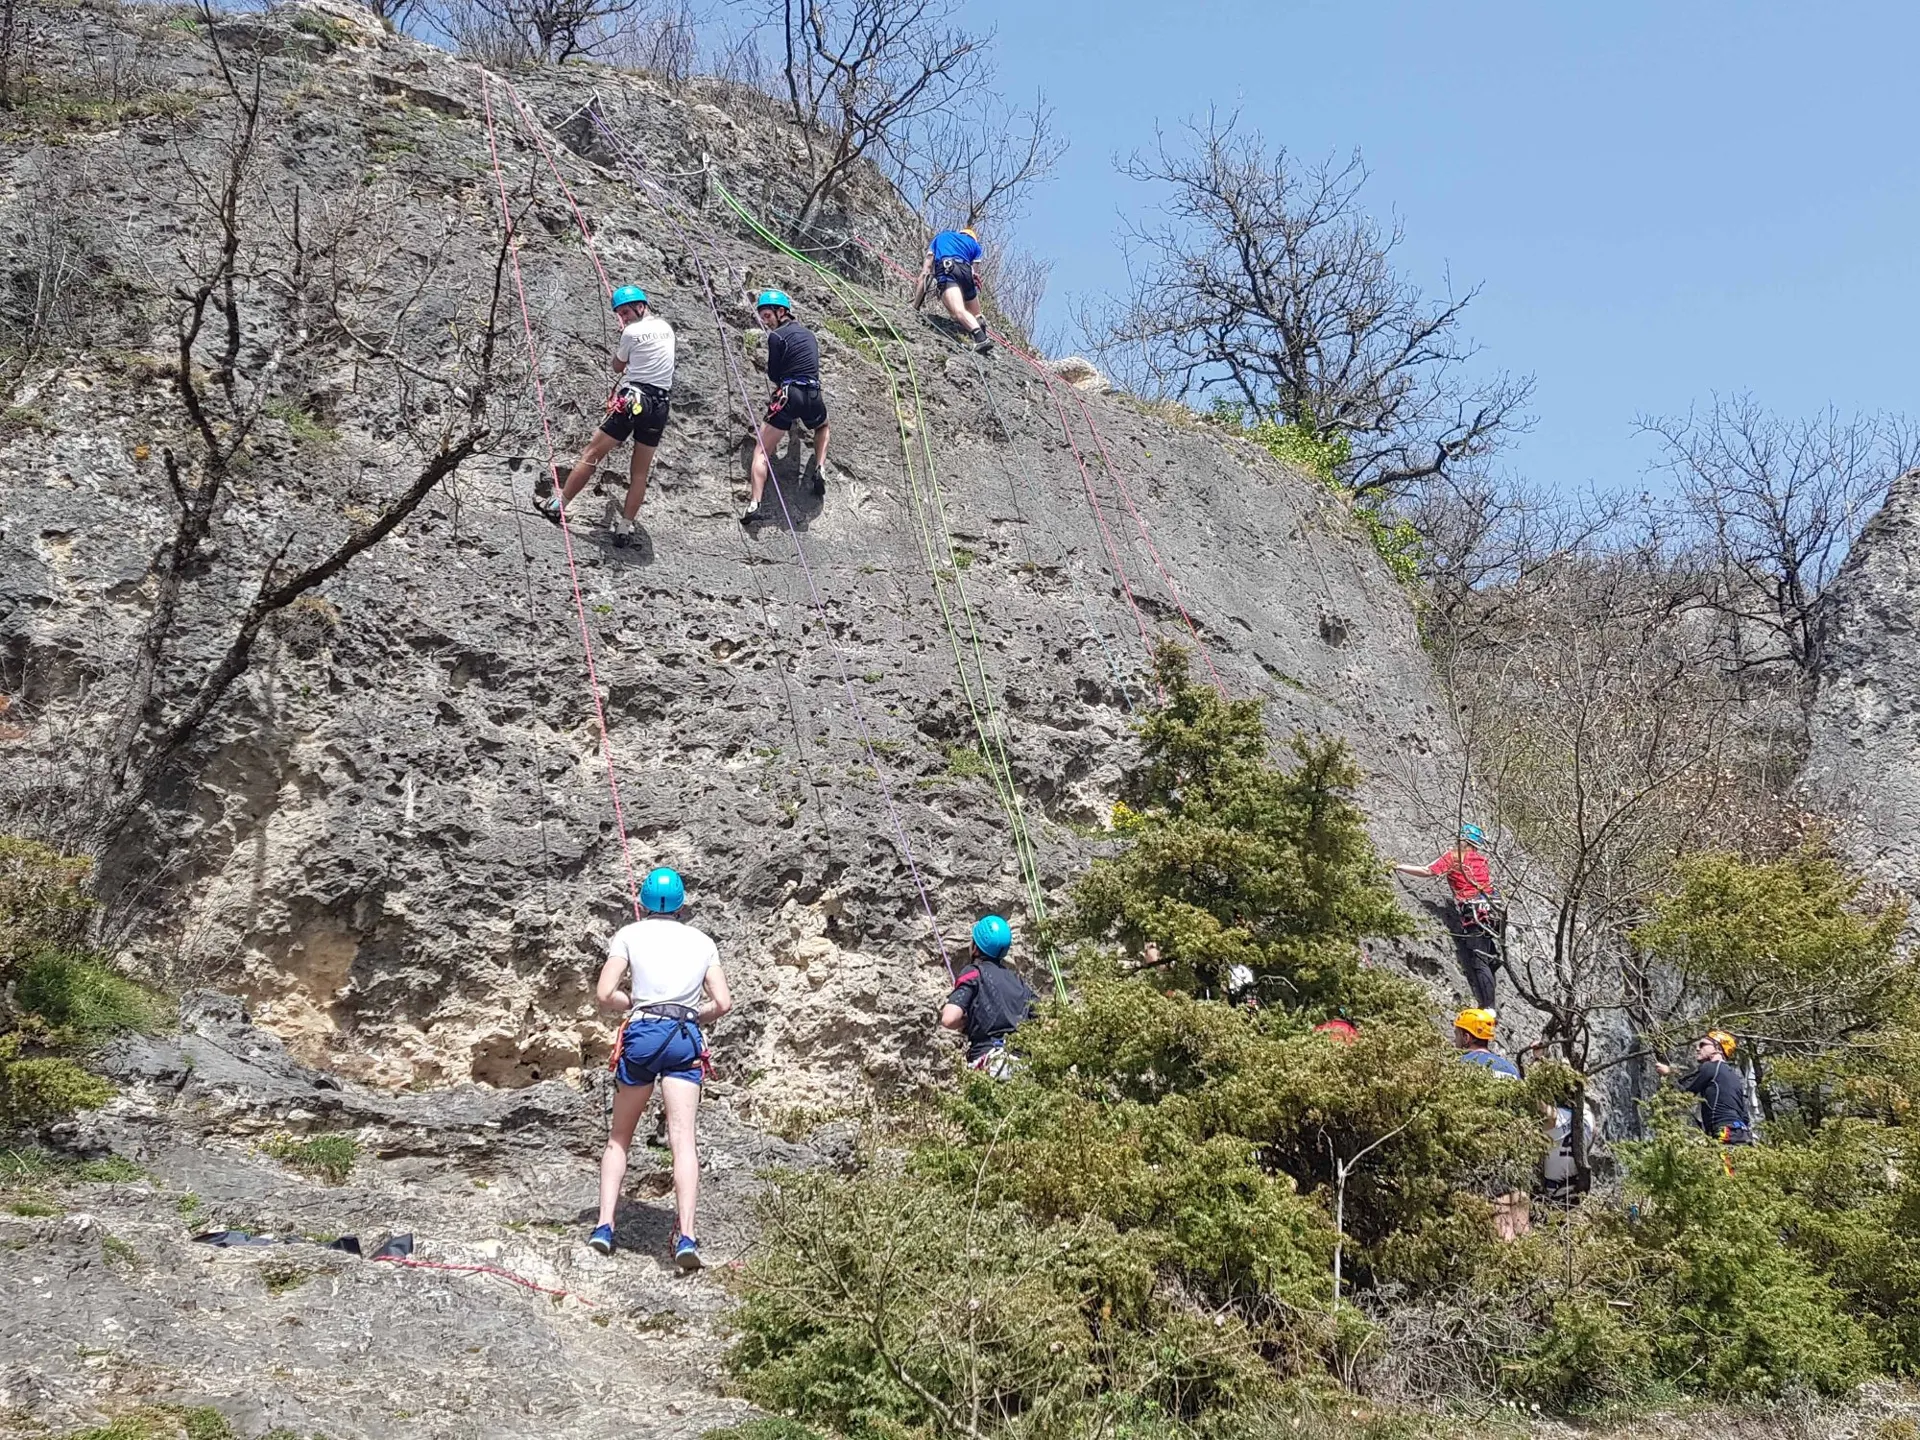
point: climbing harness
(826, 626)
(684, 1023)
(566, 530)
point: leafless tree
(222, 400)
(740, 61)
(661, 38)
(975, 164)
(506, 31)
(1483, 540)
(399, 14)
(1267, 285)
(1015, 284)
(1779, 502)
(861, 79)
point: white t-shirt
(647, 347)
(667, 961)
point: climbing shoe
(686, 1252)
(756, 516)
(816, 478)
(981, 342)
(548, 506)
(602, 1239)
(622, 532)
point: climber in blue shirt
(1473, 1037)
(951, 256)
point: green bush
(1232, 860)
(38, 1090)
(43, 901)
(1134, 1235)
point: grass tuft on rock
(325, 1157)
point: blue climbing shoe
(602, 1239)
(686, 1252)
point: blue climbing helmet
(992, 937)
(630, 295)
(1472, 833)
(663, 891)
(773, 297)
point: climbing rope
(929, 506)
(1051, 381)
(566, 530)
(1013, 491)
(855, 709)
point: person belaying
(951, 256)
(1473, 1037)
(1479, 918)
(989, 1000)
(638, 411)
(793, 367)
(1722, 1089)
(665, 977)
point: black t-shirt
(1723, 1096)
(996, 1001)
(792, 354)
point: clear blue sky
(1663, 200)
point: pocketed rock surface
(1863, 762)
(395, 836)
(109, 1305)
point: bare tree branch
(1268, 287)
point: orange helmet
(1477, 1023)
(1725, 1041)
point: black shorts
(955, 272)
(637, 415)
(798, 405)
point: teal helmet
(992, 937)
(629, 295)
(773, 297)
(663, 891)
(1472, 833)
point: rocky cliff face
(395, 837)
(1863, 765)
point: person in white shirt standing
(638, 411)
(665, 977)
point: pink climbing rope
(1048, 379)
(819, 603)
(566, 530)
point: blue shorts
(652, 1047)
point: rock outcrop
(395, 836)
(1863, 764)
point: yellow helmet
(1477, 1023)
(967, 231)
(1725, 1041)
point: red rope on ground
(566, 530)
(493, 1270)
(1048, 379)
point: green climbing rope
(936, 537)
